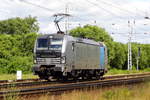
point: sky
(117, 17)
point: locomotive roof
(48, 35)
(84, 40)
(71, 38)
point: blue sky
(113, 15)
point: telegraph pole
(67, 19)
(129, 46)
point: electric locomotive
(62, 56)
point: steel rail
(15, 81)
(79, 85)
(35, 82)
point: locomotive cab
(48, 57)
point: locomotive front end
(48, 57)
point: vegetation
(13, 76)
(19, 25)
(117, 52)
(139, 92)
(16, 49)
(136, 92)
(120, 71)
(17, 38)
(16, 52)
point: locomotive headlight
(34, 61)
(63, 60)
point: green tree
(144, 61)
(19, 25)
(92, 32)
(27, 43)
(120, 56)
(16, 52)
(17, 38)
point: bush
(16, 52)
(20, 63)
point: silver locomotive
(62, 56)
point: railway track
(13, 81)
(33, 82)
(43, 86)
(36, 82)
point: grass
(116, 71)
(136, 92)
(13, 76)
(12, 96)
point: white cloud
(105, 13)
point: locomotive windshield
(55, 44)
(51, 44)
(42, 43)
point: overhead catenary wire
(39, 6)
(107, 11)
(7, 13)
(103, 8)
(36, 5)
(119, 8)
(138, 9)
(96, 4)
(51, 9)
(83, 20)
